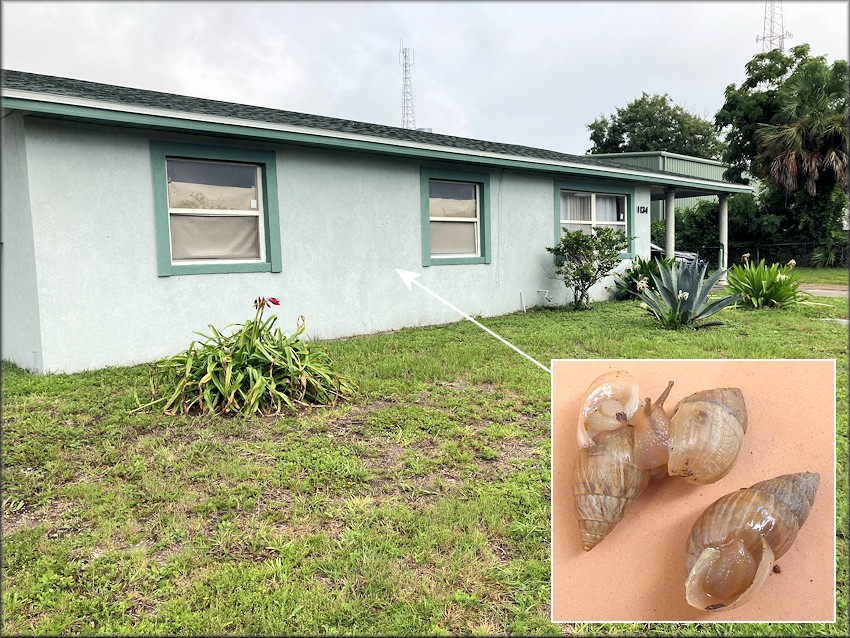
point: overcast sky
(533, 73)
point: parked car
(656, 251)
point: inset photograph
(693, 490)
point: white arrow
(410, 278)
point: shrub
(255, 370)
(680, 297)
(829, 254)
(638, 277)
(584, 260)
(761, 286)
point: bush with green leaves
(584, 259)
(681, 296)
(255, 370)
(831, 253)
(761, 286)
(638, 277)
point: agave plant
(638, 277)
(681, 295)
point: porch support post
(670, 222)
(724, 236)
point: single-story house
(132, 218)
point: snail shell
(706, 434)
(605, 482)
(734, 543)
(609, 402)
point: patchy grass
(421, 508)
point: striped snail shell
(706, 434)
(734, 542)
(605, 482)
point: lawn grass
(422, 507)
(822, 275)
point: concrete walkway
(825, 290)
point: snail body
(605, 483)
(651, 427)
(735, 541)
(706, 434)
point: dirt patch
(463, 384)
(297, 529)
(386, 462)
(52, 515)
(500, 550)
(161, 555)
(351, 423)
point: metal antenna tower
(774, 28)
(405, 59)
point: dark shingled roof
(53, 85)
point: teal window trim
(605, 189)
(160, 151)
(483, 181)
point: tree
(787, 126)
(585, 259)
(654, 123)
(806, 142)
(752, 104)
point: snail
(606, 477)
(734, 543)
(623, 445)
(605, 483)
(706, 434)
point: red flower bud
(273, 301)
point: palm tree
(806, 145)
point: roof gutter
(195, 122)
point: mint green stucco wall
(347, 221)
(21, 334)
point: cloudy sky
(533, 73)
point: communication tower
(774, 28)
(405, 59)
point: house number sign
(642, 210)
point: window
(579, 207)
(216, 209)
(455, 217)
(583, 211)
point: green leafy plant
(829, 254)
(584, 260)
(257, 369)
(638, 277)
(12, 506)
(761, 286)
(680, 297)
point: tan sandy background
(637, 572)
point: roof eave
(163, 119)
